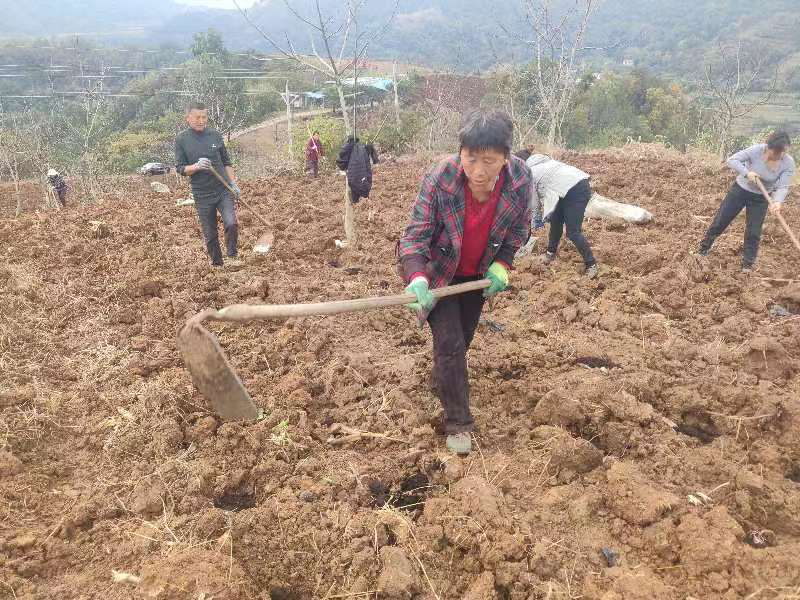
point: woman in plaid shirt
(469, 219)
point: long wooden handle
(230, 189)
(258, 312)
(779, 216)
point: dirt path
(269, 138)
(110, 460)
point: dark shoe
(548, 257)
(702, 252)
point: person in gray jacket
(198, 150)
(559, 194)
(769, 162)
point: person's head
(197, 116)
(315, 135)
(777, 144)
(485, 139)
(523, 154)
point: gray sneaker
(459, 443)
(592, 272)
(747, 269)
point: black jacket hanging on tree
(357, 159)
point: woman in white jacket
(563, 192)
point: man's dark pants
(453, 322)
(207, 208)
(569, 211)
(312, 166)
(737, 199)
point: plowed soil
(638, 435)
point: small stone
(159, 187)
(307, 496)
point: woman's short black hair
(778, 140)
(524, 154)
(195, 106)
(486, 130)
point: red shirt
(478, 220)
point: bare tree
(24, 148)
(331, 52)
(228, 106)
(736, 81)
(516, 93)
(559, 32)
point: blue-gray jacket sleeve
(740, 161)
(783, 184)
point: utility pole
(396, 97)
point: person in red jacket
(467, 223)
(313, 153)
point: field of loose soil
(117, 482)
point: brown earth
(110, 461)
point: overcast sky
(218, 3)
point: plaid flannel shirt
(432, 241)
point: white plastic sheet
(600, 207)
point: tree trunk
(551, 133)
(289, 120)
(396, 97)
(18, 196)
(343, 103)
(349, 218)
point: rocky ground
(638, 435)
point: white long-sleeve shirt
(551, 182)
(776, 182)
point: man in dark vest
(198, 150)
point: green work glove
(419, 287)
(498, 275)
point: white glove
(203, 164)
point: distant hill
(468, 35)
(43, 18)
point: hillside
(648, 419)
(668, 37)
(43, 18)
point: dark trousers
(737, 199)
(312, 166)
(207, 211)
(453, 321)
(569, 211)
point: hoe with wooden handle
(213, 375)
(779, 216)
(264, 243)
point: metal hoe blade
(213, 375)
